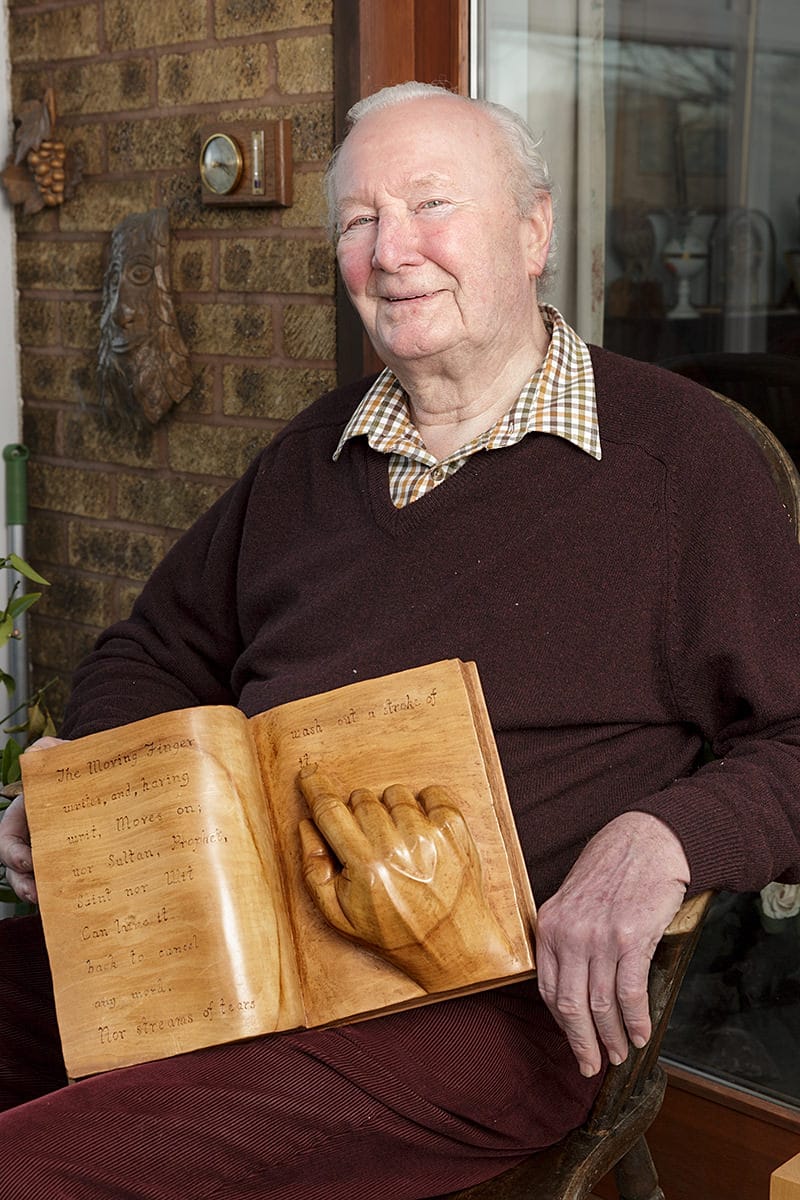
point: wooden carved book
(204, 877)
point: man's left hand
(596, 936)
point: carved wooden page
(153, 858)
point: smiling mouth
(406, 299)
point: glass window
(672, 132)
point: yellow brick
(153, 144)
(59, 33)
(233, 329)
(191, 264)
(275, 392)
(88, 439)
(234, 18)
(308, 208)
(56, 378)
(130, 26)
(222, 450)
(116, 552)
(69, 490)
(80, 324)
(87, 144)
(173, 503)
(305, 64)
(102, 204)
(103, 87)
(75, 596)
(309, 331)
(205, 76)
(69, 265)
(270, 264)
(37, 322)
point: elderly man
(500, 493)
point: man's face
(433, 254)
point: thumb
(320, 876)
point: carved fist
(409, 884)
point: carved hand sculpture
(405, 880)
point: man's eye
(433, 203)
(359, 222)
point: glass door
(673, 133)
(692, 109)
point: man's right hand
(15, 850)
(15, 839)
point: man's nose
(396, 243)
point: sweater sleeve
(733, 648)
(179, 645)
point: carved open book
(188, 900)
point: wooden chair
(627, 1104)
(629, 1100)
(768, 385)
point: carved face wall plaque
(143, 364)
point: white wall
(10, 403)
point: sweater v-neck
(430, 507)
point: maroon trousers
(397, 1108)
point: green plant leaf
(37, 719)
(6, 627)
(9, 765)
(23, 603)
(18, 564)
(9, 682)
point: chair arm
(689, 915)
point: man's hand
(596, 936)
(15, 840)
(409, 885)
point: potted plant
(36, 720)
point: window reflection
(679, 124)
(738, 1014)
(701, 130)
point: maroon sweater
(621, 613)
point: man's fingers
(22, 885)
(45, 743)
(605, 1011)
(566, 994)
(17, 855)
(633, 973)
(602, 1002)
(15, 850)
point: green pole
(16, 465)
(16, 460)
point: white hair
(528, 179)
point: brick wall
(134, 81)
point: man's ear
(539, 233)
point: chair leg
(636, 1175)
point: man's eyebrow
(432, 179)
(414, 183)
